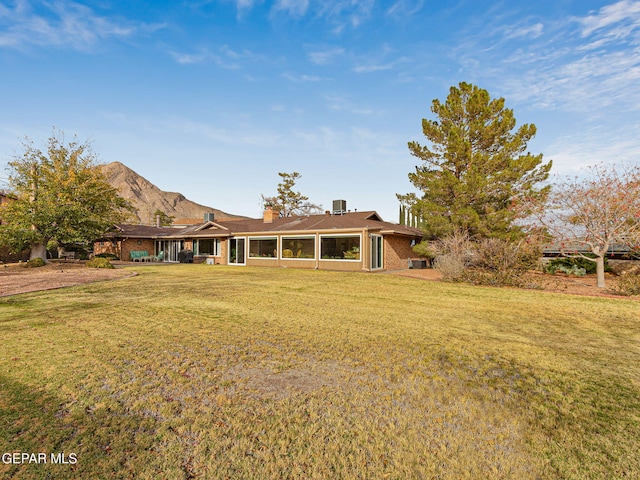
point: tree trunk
(38, 250)
(600, 271)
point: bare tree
(588, 216)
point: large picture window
(298, 247)
(340, 247)
(206, 246)
(263, 247)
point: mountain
(148, 198)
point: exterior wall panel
(135, 244)
(397, 252)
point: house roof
(313, 223)
(140, 231)
(577, 246)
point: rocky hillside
(148, 198)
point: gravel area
(16, 279)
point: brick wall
(131, 244)
(111, 247)
(397, 251)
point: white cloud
(325, 57)
(343, 103)
(189, 58)
(344, 13)
(64, 24)
(622, 11)
(373, 67)
(244, 4)
(404, 8)
(301, 78)
(581, 64)
(587, 83)
(573, 153)
(237, 136)
(295, 8)
(370, 66)
(225, 57)
(531, 31)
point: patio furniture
(139, 256)
(159, 257)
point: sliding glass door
(170, 249)
(376, 252)
(237, 251)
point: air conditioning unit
(339, 207)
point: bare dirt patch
(558, 283)
(264, 382)
(16, 279)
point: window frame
(244, 250)
(275, 257)
(284, 238)
(217, 244)
(337, 235)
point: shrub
(627, 284)
(425, 249)
(34, 263)
(109, 256)
(80, 252)
(99, 263)
(489, 261)
(453, 254)
(450, 266)
(573, 265)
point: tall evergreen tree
(476, 169)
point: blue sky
(213, 98)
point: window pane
(208, 246)
(263, 247)
(340, 248)
(298, 247)
(236, 250)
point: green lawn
(199, 371)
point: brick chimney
(270, 215)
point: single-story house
(615, 251)
(352, 241)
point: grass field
(196, 371)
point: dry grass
(197, 371)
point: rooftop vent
(339, 207)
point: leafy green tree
(165, 220)
(287, 201)
(475, 170)
(61, 197)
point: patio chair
(159, 257)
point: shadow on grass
(65, 439)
